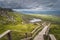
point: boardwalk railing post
(9, 36)
(26, 35)
(49, 38)
(45, 37)
(31, 36)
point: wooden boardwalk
(40, 36)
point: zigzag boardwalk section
(40, 35)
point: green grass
(55, 23)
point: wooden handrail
(33, 33)
(35, 29)
(36, 32)
(52, 37)
(6, 33)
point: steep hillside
(14, 21)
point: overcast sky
(32, 4)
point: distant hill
(56, 13)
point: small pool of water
(35, 20)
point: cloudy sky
(31, 4)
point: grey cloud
(29, 4)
